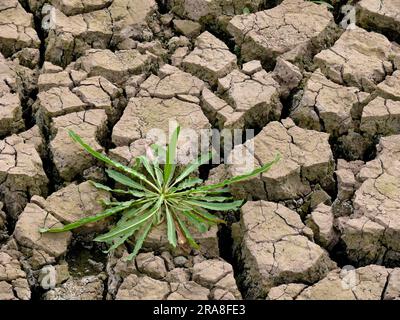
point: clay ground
(323, 223)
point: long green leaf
(131, 224)
(139, 242)
(245, 176)
(122, 229)
(200, 223)
(181, 206)
(159, 152)
(107, 160)
(133, 212)
(203, 159)
(118, 191)
(234, 205)
(187, 234)
(188, 183)
(121, 240)
(123, 179)
(169, 167)
(206, 215)
(148, 167)
(107, 203)
(210, 198)
(159, 175)
(91, 219)
(171, 231)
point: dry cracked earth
(326, 98)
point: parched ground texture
(324, 223)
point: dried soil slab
(77, 201)
(296, 29)
(306, 160)
(71, 36)
(50, 80)
(130, 20)
(116, 66)
(57, 101)
(172, 82)
(13, 282)
(164, 277)
(34, 137)
(16, 28)
(188, 28)
(69, 158)
(73, 7)
(60, 95)
(11, 120)
(359, 58)
(252, 96)
(381, 116)
(275, 248)
(321, 222)
(372, 233)
(256, 96)
(199, 10)
(390, 87)
(327, 106)
(99, 93)
(210, 59)
(21, 174)
(188, 291)
(86, 288)
(380, 15)
(143, 114)
(217, 275)
(347, 184)
(142, 288)
(220, 112)
(128, 154)
(367, 283)
(28, 236)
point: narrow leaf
(131, 224)
(148, 167)
(159, 174)
(169, 167)
(121, 240)
(234, 205)
(170, 227)
(91, 219)
(206, 215)
(188, 183)
(123, 179)
(130, 213)
(107, 160)
(245, 176)
(198, 222)
(118, 191)
(203, 159)
(187, 234)
(210, 198)
(139, 242)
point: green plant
(160, 194)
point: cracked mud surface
(325, 98)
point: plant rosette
(160, 194)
